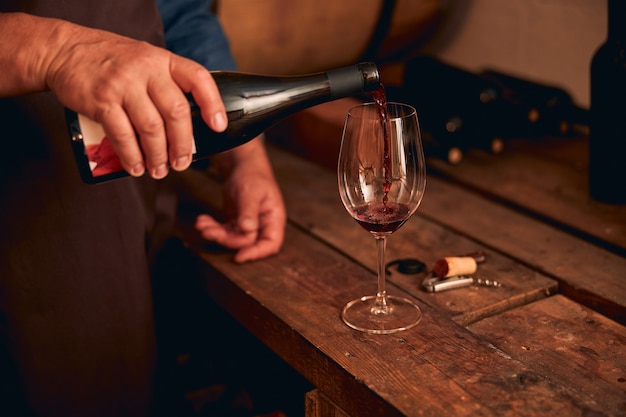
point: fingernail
(247, 224)
(181, 163)
(219, 122)
(159, 172)
(138, 170)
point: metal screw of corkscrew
(436, 284)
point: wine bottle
(607, 131)
(551, 109)
(253, 103)
(459, 108)
(436, 148)
(470, 133)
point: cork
(453, 266)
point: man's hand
(134, 89)
(255, 211)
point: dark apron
(76, 313)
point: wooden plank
(583, 350)
(547, 178)
(291, 302)
(586, 273)
(313, 204)
(523, 253)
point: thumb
(247, 223)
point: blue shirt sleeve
(193, 31)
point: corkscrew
(433, 283)
(453, 272)
(448, 273)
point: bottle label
(99, 151)
(96, 158)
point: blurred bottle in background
(607, 128)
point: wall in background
(549, 41)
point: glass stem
(381, 306)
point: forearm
(251, 156)
(27, 47)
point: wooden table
(550, 342)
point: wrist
(251, 155)
(28, 47)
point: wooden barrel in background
(280, 37)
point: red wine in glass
(382, 217)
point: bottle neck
(617, 20)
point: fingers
(253, 239)
(167, 138)
(250, 245)
(195, 79)
(120, 131)
(150, 133)
(261, 249)
(142, 106)
(226, 235)
(269, 241)
(162, 119)
(164, 126)
(149, 126)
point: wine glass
(381, 177)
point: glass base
(366, 315)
